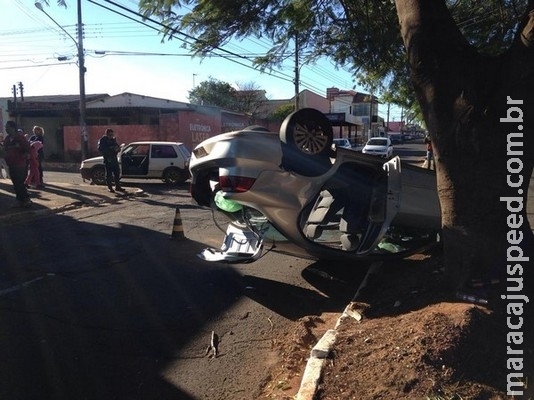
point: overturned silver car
(294, 192)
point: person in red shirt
(17, 150)
(38, 136)
(34, 178)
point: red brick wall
(190, 127)
(123, 133)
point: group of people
(23, 156)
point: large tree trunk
(467, 101)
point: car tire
(174, 176)
(98, 175)
(307, 138)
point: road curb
(311, 378)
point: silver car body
(297, 212)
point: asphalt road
(105, 303)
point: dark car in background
(396, 138)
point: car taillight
(237, 184)
(200, 152)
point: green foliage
(282, 112)
(361, 35)
(213, 93)
(489, 25)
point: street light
(81, 69)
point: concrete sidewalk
(53, 198)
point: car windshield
(377, 142)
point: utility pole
(14, 90)
(21, 90)
(81, 67)
(387, 122)
(296, 72)
(81, 70)
(370, 115)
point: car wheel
(307, 138)
(174, 176)
(98, 176)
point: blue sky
(124, 55)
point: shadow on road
(95, 312)
(335, 284)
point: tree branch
(430, 33)
(527, 30)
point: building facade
(136, 117)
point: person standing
(33, 177)
(109, 148)
(38, 136)
(4, 170)
(429, 152)
(17, 149)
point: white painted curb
(311, 378)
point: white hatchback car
(168, 161)
(379, 146)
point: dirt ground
(415, 341)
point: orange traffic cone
(177, 228)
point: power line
(276, 74)
(137, 28)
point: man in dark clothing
(109, 148)
(17, 149)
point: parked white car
(379, 146)
(342, 142)
(168, 161)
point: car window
(378, 142)
(140, 149)
(342, 142)
(163, 151)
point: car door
(162, 156)
(135, 160)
